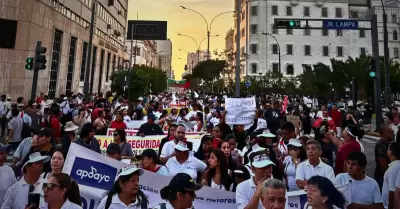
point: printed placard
(240, 104)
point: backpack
(143, 205)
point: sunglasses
(49, 186)
(115, 134)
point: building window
(306, 68)
(253, 68)
(274, 30)
(71, 62)
(243, 33)
(254, 29)
(275, 49)
(307, 32)
(290, 69)
(253, 48)
(101, 70)
(113, 63)
(93, 69)
(354, 14)
(325, 32)
(289, 31)
(274, 9)
(338, 12)
(306, 11)
(395, 35)
(325, 51)
(324, 12)
(307, 50)
(289, 49)
(289, 11)
(362, 33)
(83, 63)
(396, 53)
(275, 67)
(339, 32)
(394, 18)
(254, 11)
(55, 63)
(339, 51)
(8, 33)
(137, 51)
(108, 66)
(363, 51)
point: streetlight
(386, 55)
(182, 50)
(208, 26)
(207, 38)
(197, 45)
(279, 51)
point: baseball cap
(182, 182)
(35, 128)
(48, 132)
(151, 115)
(295, 142)
(129, 169)
(261, 161)
(181, 146)
(36, 157)
(113, 148)
(4, 147)
(266, 134)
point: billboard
(147, 30)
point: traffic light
(372, 68)
(40, 57)
(29, 63)
(287, 24)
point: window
(289, 49)
(339, 32)
(137, 51)
(396, 53)
(83, 63)
(55, 63)
(325, 32)
(307, 32)
(362, 33)
(354, 14)
(253, 68)
(114, 62)
(338, 12)
(275, 67)
(274, 30)
(243, 33)
(93, 69)
(394, 18)
(254, 11)
(339, 51)
(71, 62)
(325, 51)
(108, 66)
(253, 48)
(289, 31)
(101, 70)
(306, 11)
(289, 11)
(275, 49)
(253, 29)
(324, 12)
(307, 50)
(274, 10)
(395, 35)
(363, 51)
(306, 68)
(8, 33)
(290, 69)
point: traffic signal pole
(89, 52)
(39, 63)
(237, 70)
(377, 79)
(34, 83)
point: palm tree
(358, 69)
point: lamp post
(279, 52)
(197, 45)
(208, 26)
(386, 55)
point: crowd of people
(260, 162)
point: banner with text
(240, 111)
(240, 104)
(130, 132)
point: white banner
(135, 124)
(132, 132)
(239, 117)
(240, 104)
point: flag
(179, 84)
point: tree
(208, 70)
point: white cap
(36, 157)
(266, 134)
(295, 142)
(181, 146)
(261, 161)
(21, 105)
(140, 98)
(129, 169)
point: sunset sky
(186, 22)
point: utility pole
(89, 52)
(388, 94)
(377, 79)
(238, 19)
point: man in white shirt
(248, 193)
(391, 174)
(6, 172)
(273, 194)
(313, 166)
(168, 149)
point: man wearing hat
(150, 128)
(17, 195)
(149, 161)
(6, 172)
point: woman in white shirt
(126, 193)
(61, 192)
(217, 176)
(56, 164)
(198, 127)
(297, 154)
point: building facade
(193, 59)
(145, 52)
(164, 51)
(63, 27)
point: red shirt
(55, 125)
(343, 152)
(216, 143)
(116, 125)
(318, 122)
(95, 113)
(336, 117)
(39, 100)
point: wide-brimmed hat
(36, 157)
(70, 126)
(261, 161)
(295, 143)
(129, 169)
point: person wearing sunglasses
(179, 193)
(61, 192)
(120, 139)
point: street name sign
(343, 24)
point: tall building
(145, 52)
(164, 49)
(63, 27)
(229, 52)
(194, 58)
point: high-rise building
(63, 27)
(164, 50)
(195, 58)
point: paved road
(369, 146)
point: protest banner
(135, 124)
(133, 132)
(240, 104)
(240, 118)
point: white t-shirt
(116, 203)
(17, 195)
(191, 166)
(290, 172)
(217, 186)
(244, 193)
(305, 171)
(7, 180)
(389, 181)
(168, 149)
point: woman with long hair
(198, 127)
(204, 151)
(61, 192)
(120, 139)
(217, 176)
(226, 149)
(56, 164)
(322, 194)
(126, 192)
(297, 154)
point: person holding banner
(126, 193)
(150, 128)
(179, 193)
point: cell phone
(34, 198)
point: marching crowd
(317, 152)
